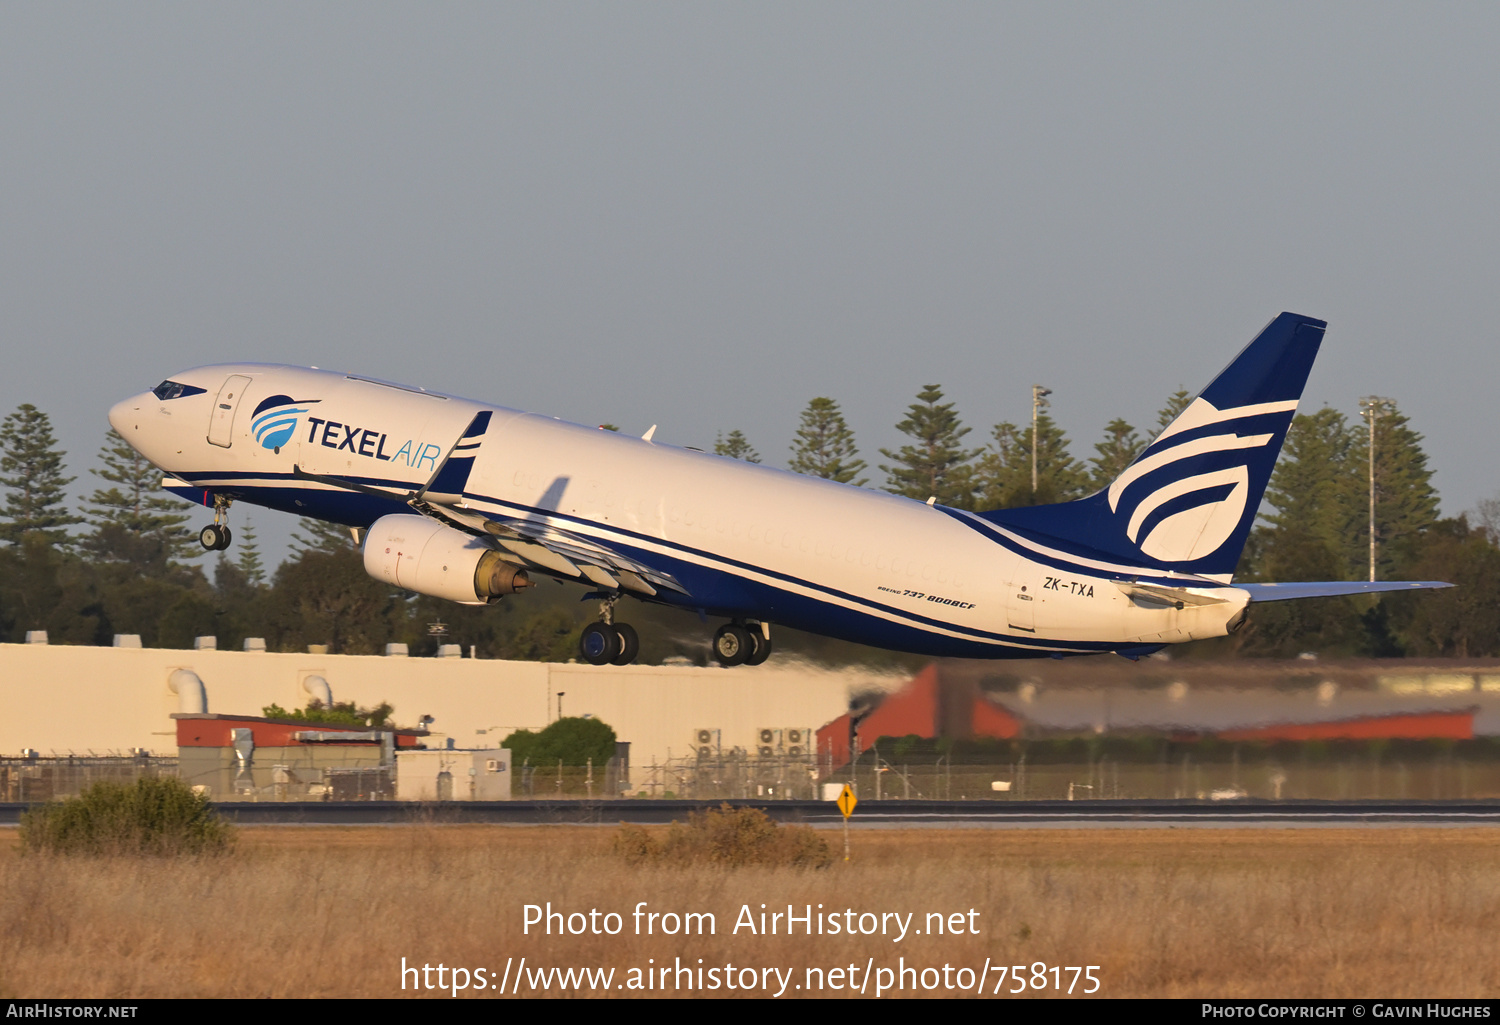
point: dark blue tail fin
(1188, 501)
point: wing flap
(581, 551)
(542, 556)
(634, 582)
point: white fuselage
(746, 541)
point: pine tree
(736, 447)
(1458, 622)
(1176, 403)
(1315, 491)
(1002, 484)
(1487, 516)
(133, 523)
(1003, 475)
(1117, 451)
(825, 445)
(322, 536)
(1406, 503)
(31, 468)
(1319, 530)
(937, 465)
(249, 560)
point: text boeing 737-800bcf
(465, 501)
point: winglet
(452, 475)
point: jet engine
(422, 555)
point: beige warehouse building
(62, 699)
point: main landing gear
(608, 642)
(216, 536)
(738, 644)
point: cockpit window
(172, 390)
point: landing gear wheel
(600, 644)
(762, 647)
(630, 644)
(733, 644)
(215, 537)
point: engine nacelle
(422, 555)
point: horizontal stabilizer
(1332, 588)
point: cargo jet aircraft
(468, 501)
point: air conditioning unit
(794, 736)
(767, 736)
(705, 751)
(703, 736)
(766, 750)
(795, 750)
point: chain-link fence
(41, 778)
(710, 777)
(1354, 770)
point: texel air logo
(275, 420)
(1189, 515)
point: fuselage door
(1021, 608)
(1021, 598)
(221, 423)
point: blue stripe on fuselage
(716, 591)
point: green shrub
(726, 836)
(572, 740)
(340, 713)
(157, 816)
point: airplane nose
(125, 416)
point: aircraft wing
(1332, 588)
(532, 540)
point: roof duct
(192, 697)
(318, 689)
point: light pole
(1038, 403)
(1372, 407)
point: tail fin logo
(1187, 494)
(1187, 502)
(275, 420)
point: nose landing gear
(216, 536)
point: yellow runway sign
(847, 801)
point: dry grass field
(1178, 913)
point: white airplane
(466, 501)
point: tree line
(126, 559)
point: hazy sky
(703, 215)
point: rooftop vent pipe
(318, 688)
(192, 697)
